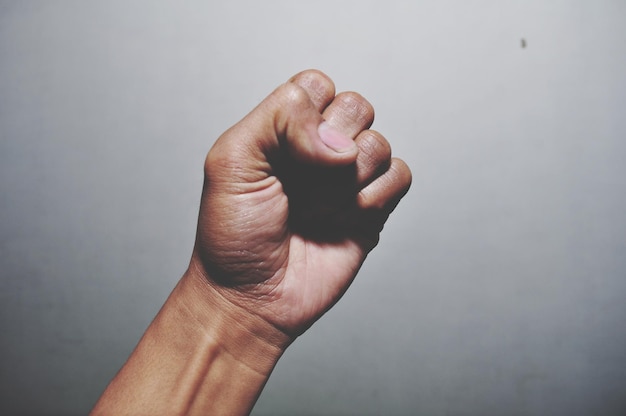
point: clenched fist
(295, 197)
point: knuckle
(355, 105)
(387, 190)
(369, 199)
(310, 74)
(374, 145)
(316, 83)
(402, 172)
(223, 158)
(215, 160)
(374, 155)
(292, 95)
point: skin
(295, 196)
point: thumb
(286, 124)
(299, 127)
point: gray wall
(499, 286)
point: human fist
(295, 196)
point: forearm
(291, 206)
(198, 356)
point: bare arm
(295, 196)
(197, 357)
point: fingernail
(334, 139)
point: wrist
(244, 335)
(200, 355)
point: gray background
(499, 285)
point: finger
(374, 157)
(287, 123)
(349, 113)
(318, 85)
(307, 136)
(377, 200)
(384, 193)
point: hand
(291, 206)
(295, 196)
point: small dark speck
(523, 43)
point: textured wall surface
(499, 286)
